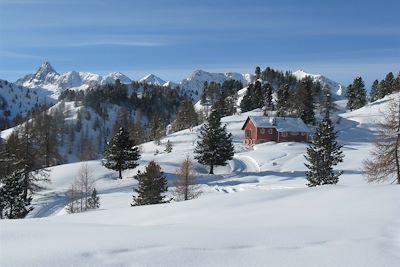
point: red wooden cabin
(260, 129)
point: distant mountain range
(46, 84)
(46, 77)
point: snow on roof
(281, 124)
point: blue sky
(340, 39)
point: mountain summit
(152, 79)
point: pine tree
(375, 93)
(152, 186)
(186, 186)
(168, 147)
(121, 153)
(323, 153)
(356, 94)
(186, 117)
(269, 105)
(13, 203)
(306, 101)
(247, 101)
(387, 85)
(94, 200)
(257, 73)
(214, 145)
(282, 103)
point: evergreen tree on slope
(13, 204)
(356, 94)
(214, 146)
(323, 153)
(305, 97)
(121, 153)
(152, 186)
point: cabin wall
(293, 137)
(266, 135)
(250, 133)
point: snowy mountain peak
(152, 79)
(113, 76)
(45, 69)
(337, 89)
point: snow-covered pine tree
(168, 146)
(269, 105)
(94, 200)
(375, 93)
(323, 153)
(13, 203)
(121, 153)
(152, 186)
(214, 145)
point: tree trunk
(211, 169)
(120, 173)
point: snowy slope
(256, 211)
(338, 91)
(46, 77)
(19, 100)
(153, 79)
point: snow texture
(256, 211)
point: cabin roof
(281, 124)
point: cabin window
(284, 134)
(248, 133)
(262, 131)
(294, 133)
(269, 131)
(303, 134)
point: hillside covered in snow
(256, 211)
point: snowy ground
(256, 211)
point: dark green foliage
(356, 94)
(387, 85)
(254, 97)
(322, 154)
(214, 145)
(376, 92)
(222, 97)
(13, 203)
(152, 186)
(269, 105)
(306, 101)
(93, 200)
(186, 117)
(257, 73)
(246, 103)
(121, 153)
(282, 102)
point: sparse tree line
(5, 112)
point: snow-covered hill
(256, 211)
(16, 100)
(338, 91)
(46, 77)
